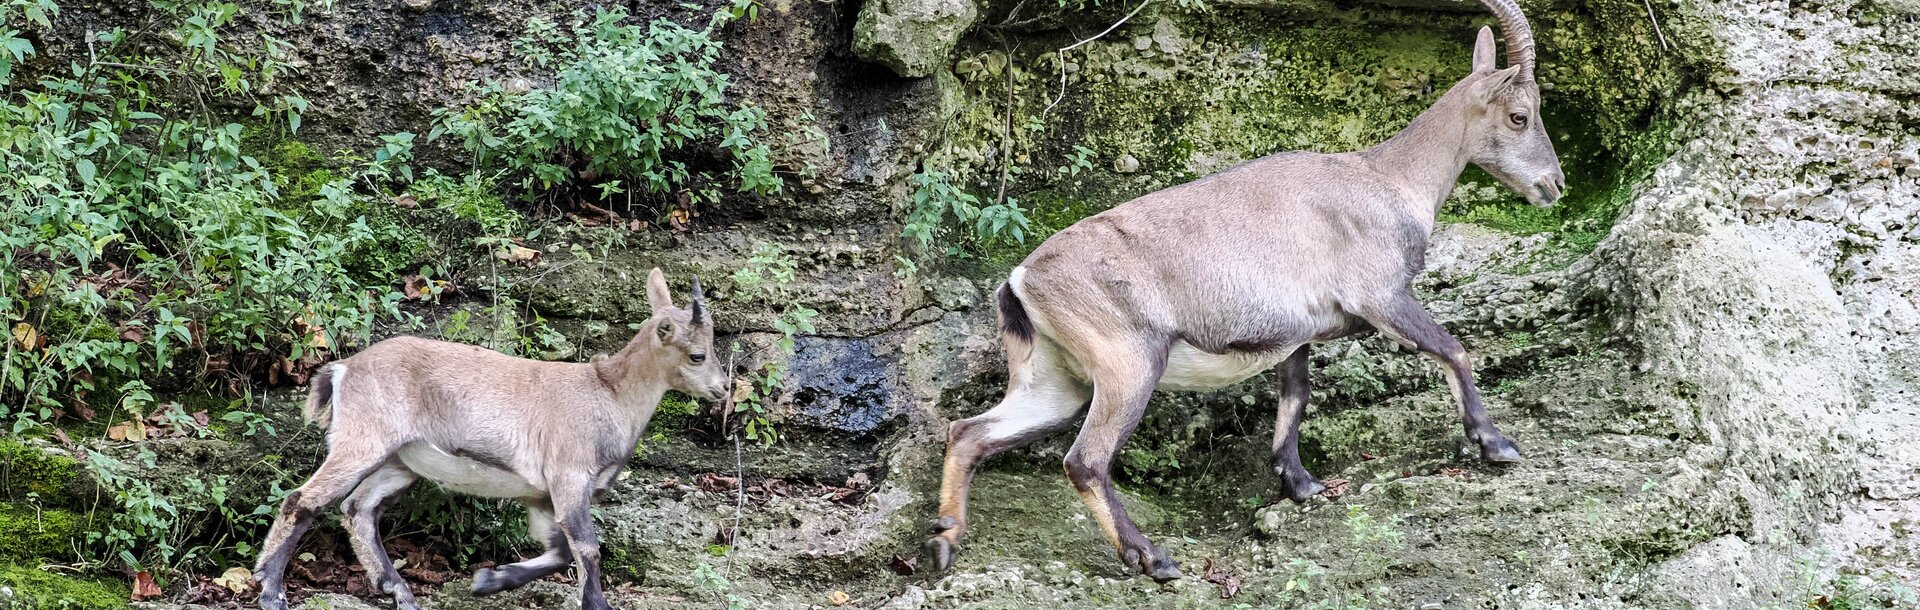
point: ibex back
(551, 434)
(1208, 283)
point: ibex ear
(664, 329)
(1483, 51)
(657, 296)
(1494, 83)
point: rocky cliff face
(1705, 353)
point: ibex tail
(319, 410)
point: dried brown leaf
(904, 566)
(143, 586)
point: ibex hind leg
(1042, 398)
(1294, 388)
(1124, 377)
(540, 525)
(346, 465)
(1409, 323)
(362, 509)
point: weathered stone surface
(913, 37)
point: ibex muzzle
(1211, 282)
(475, 421)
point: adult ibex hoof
(941, 551)
(273, 602)
(1302, 487)
(1153, 562)
(487, 581)
(1501, 450)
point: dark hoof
(941, 552)
(273, 602)
(1153, 562)
(1500, 451)
(1302, 486)
(944, 523)
(488, 581)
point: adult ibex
(551, 434)
(1208, 283)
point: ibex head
(1504, 128)
(684, 341)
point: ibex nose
(1550, 189)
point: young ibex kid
(1208, 283)
(550, 434)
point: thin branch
(1006, 133)
(1656, 24)
(1061, 53)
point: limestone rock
(911, 36)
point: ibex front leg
(1294, 388)
(1123, 381)
(573, 504)
(1408, 322)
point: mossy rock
(25, 586)
(25, 469)
(26, 533)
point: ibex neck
(634, 383)
(1426, 158)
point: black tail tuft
(1013, 315)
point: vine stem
(1062, 54)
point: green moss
(30, 470)
(26, 533)
(674, 413)
(37, 588)
(622, 563)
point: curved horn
(699, 300)
(1513, 26)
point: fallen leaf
(28, 338)
(1221, 575)
(1335, 488)
(1453, 472)
(61, 435)
(859, 480)
(304, 557)
(838, 598)
(1367, 457)
(144, 587)
(405, 201)
(519, 254)
(237, 580)
(715, 483)
(904, 566)
(132, 430)
(415, 287)
(132, 332)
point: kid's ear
(657, 296)
(665, 330)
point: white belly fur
(1192, 370)
(463, 475)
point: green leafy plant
(621, 101)
(936, 198)
(769, 275)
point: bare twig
(1061, 53)
(1006, 134)
(1656, 24)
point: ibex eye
(1517, 118)
(697, 358)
